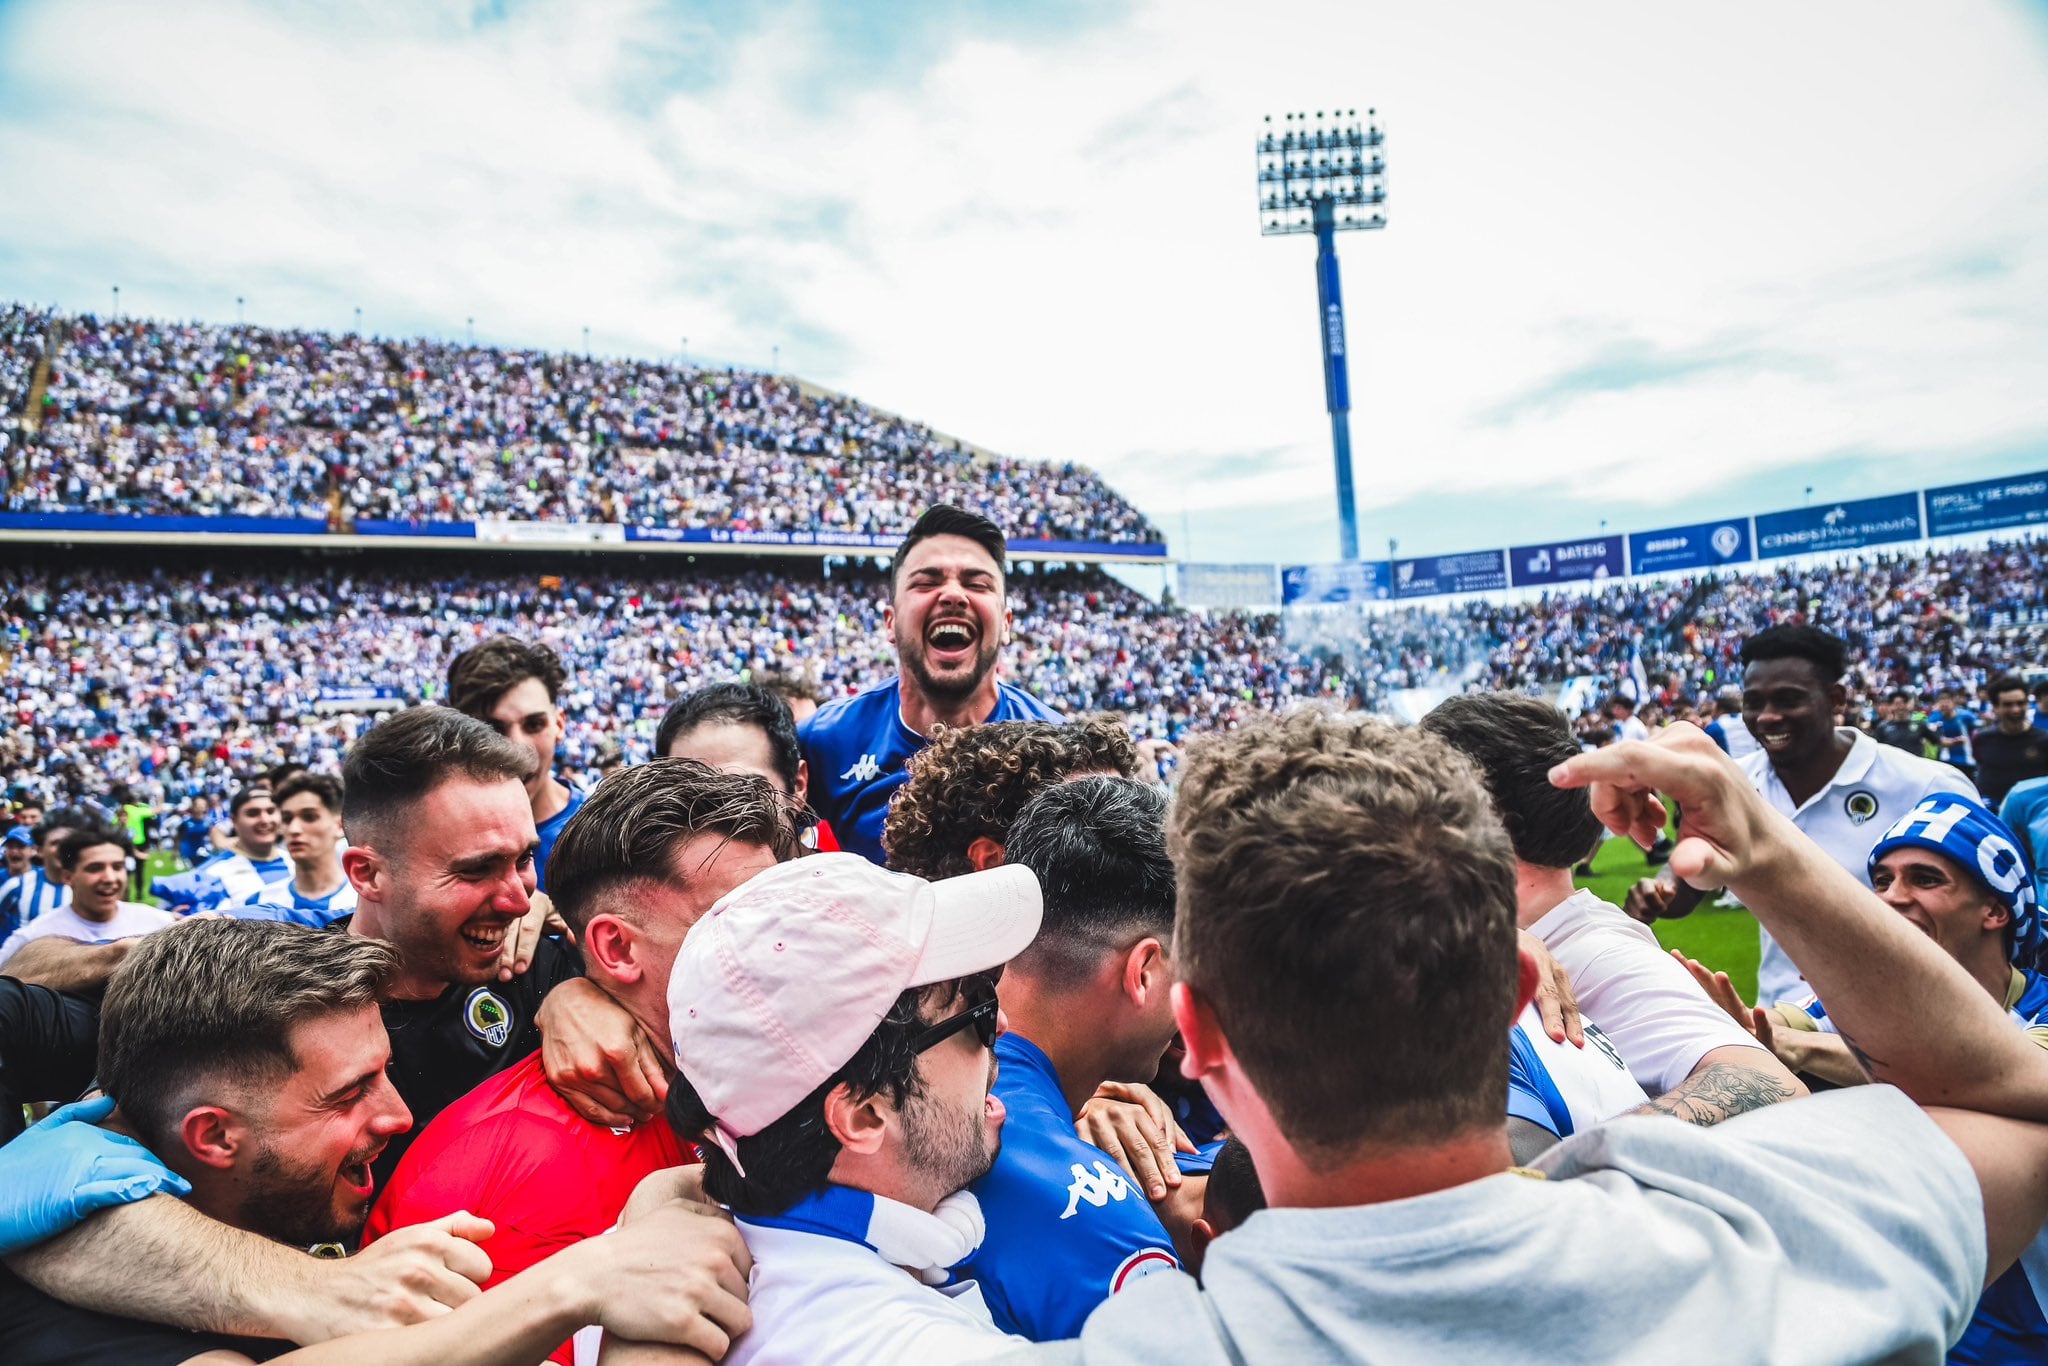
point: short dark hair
(1235, 1192)
(792, 1157)
(2003, 684)
(628, 831)
(86, 837)
(1898, 695)
(204, 999)
(944, 520)
(248, 793)
(402, 758)
(63, 818)
(1515, 741)
(1098, 847)
(482, 674)
(787, 684)
(1829, 654)
(325, 786)
(1341, 879)
(735, 704)
(969, 783)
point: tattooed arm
(1727, 1082)
(1908, 1012)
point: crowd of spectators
(182, 679)
(177, 681)
(146, 417)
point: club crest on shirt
(1861, 805)
(489, 1018)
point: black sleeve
(37, 1329)
(48, 1042)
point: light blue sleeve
(66, 1167)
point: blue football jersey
(1067, 1228)
(856, 750)
(549, 831)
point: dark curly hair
(970, 783)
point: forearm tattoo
(1722, 1091)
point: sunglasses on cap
(980, 1014)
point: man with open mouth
(949, 618)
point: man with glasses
(833, 1026)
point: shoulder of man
(1022, 706)
(1823, 1174)
(1067, 1228)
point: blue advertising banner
(464, 531)
(1703, 545)
(1838, 526)
(860, 540)
(1352, 581)
(1477, 571)
(107, 521)
(1598, 557)
(1989, 504)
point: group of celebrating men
(929, 1028)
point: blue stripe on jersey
(1532, 1095)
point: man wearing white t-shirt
(96, 861)
(833, 1027)
(1677, 1044)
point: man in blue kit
(949, 619)
(514, 687)
(1088, 1002)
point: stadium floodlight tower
(1323, 173)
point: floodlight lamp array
(1331, 157)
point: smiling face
(1790, 710)
(457, 873)
(256, 826)
(526, 715)
(1941, 901)
(306, 1177)
(97, 881)
(948, 616)
(18, 856)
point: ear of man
(861, 1126)
(212, 1136)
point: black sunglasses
(980, 1014)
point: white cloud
(1833, 213)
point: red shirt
(514, 1152)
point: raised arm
(1981, 1079)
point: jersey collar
(929, 1246)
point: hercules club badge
(489, 1018)
(1861, 805)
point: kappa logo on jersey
(1098, 1188)
(864, 770)
(489, 1018)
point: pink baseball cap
(788, 974)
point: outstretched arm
(1982, 1080)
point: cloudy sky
(1644, 264)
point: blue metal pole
(1336, 370)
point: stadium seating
(200, 419)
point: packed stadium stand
(135, 416)
(182, 665)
